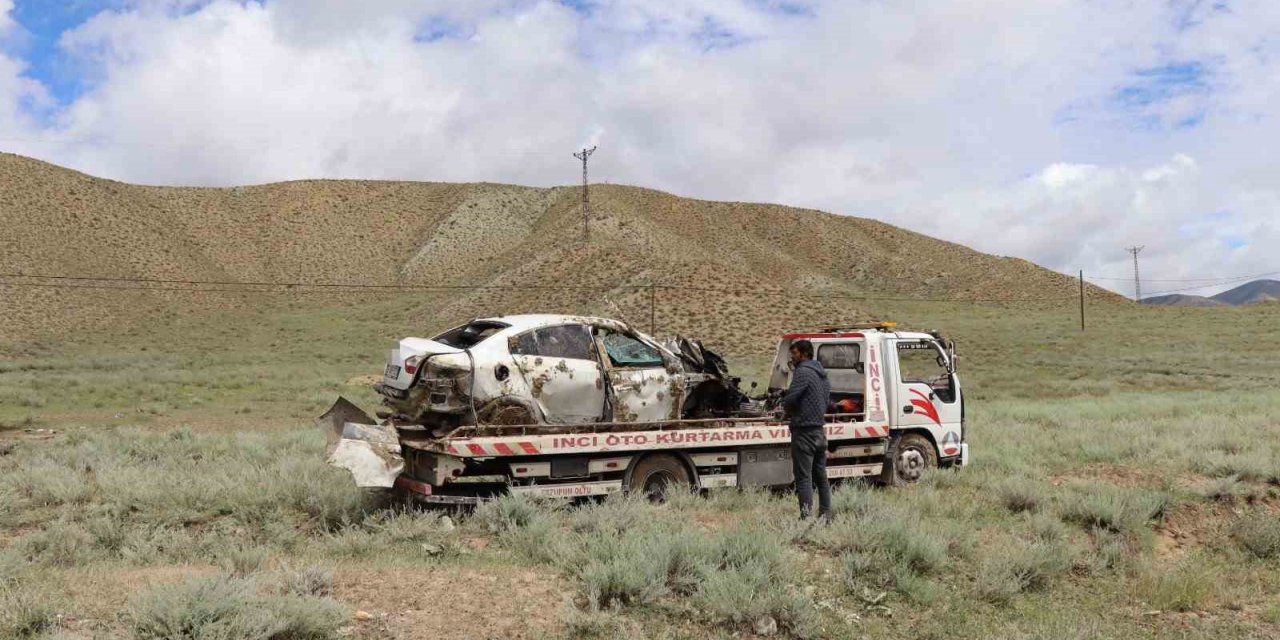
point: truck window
(838, 356)
(567, 341)
(626, 351)
(922, 361)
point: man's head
(801, 350)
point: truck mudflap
(357, 443)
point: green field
(166, 483)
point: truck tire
(909, 457)
(655, 475)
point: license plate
(393, 371)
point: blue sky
(44, 22)
(1058, 132)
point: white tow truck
(899, 411)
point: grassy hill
(730, 270)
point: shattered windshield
(470, 334)
(626, 351)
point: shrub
(1027, 567)
(1017, 495)
(743, 595)
(508, 512)
(1226, 490)
(244, 561)
(1258, 534)
(60, 543)
(626, 570)
(1115, 510)
(196, 608)
(307, 581)
(226, 607)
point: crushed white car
(552, 370)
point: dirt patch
(445, 603)
(715, 521)
(1113, 474)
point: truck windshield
(470, 334)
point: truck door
(643, 389)
(926, 392)
(560, 365)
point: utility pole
(1082, 299)
(583, 155)
(1137, 282)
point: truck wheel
(656, 475)
(909, 456)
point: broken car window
(568, 341)
(626, 351)
(838, 356)
(470, 334)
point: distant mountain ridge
(1255, 292)
(735, 274)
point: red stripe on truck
(476, 449)
(529, 447)
(504, 449)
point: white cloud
(1002, 124)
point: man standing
(806, 403)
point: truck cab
(905, 381)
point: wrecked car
(552, 370)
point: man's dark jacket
(807, 398)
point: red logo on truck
(923, 405)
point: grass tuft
(1259, 534)
(24, 613)
(1185, 588)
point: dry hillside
(733, 261)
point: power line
(336, 285)
(212, 286)
(1223, 279)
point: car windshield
(470, 334)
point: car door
(643, 389)
(926, 389)
(565, 380)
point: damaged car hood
(355, 442)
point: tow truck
(899, 411)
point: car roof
(523, 322)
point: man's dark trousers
(809, 463)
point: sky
(1058, 131)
